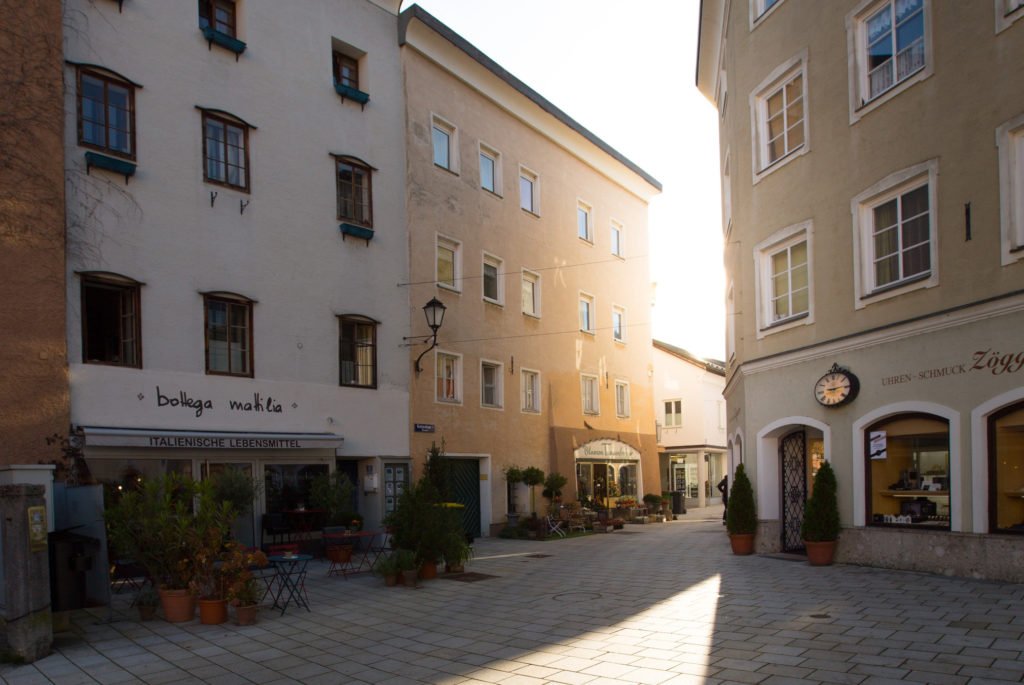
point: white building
(690, 412)
(236, 234)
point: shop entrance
(793, 458)
(244, 528)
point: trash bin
(677, 503)
(71, 558)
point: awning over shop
(96, 436)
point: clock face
(835, 388)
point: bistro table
(364, 553)
(291, 576)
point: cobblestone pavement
(654, 604)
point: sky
(625, 71)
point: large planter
(247, 616)
(391, 579)
(820, 553)
(428, 570)
(409, 578)
(178, 605)
(213, 611)
(742, 543)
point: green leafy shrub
(533, 476)
(333, 493)
(741, 517)
(821, 516)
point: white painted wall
(701, 394)
(285, 251)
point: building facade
(34, 403)
(872, 163)
(533, 233)
(236, 227)
(690, 411)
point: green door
(465, 488)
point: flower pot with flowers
(212, 568)
(244, 591)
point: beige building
(533, 233)
(690, 411)
(33, 359)
(872, 156)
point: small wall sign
(423, 427)
(37, 528)
(877, 445)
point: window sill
(444, 168)
(896, 286)
(493, 194)
(588, 241)
(535, 412)
(866, 106)
(452, 402)
(495, 303)
(620, 341)
(590, 333)
(353, 94)
(532, 316)
(356, 231)
(227, 374)
(591, 413)
(225, 41)
(530, 212)
(788, 320)
(492, 407)
(452, 288)
(618, 255)
(357, 387)
(782, 161)
(224, 184)
(113, 164)
(121, 365)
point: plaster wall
(701, 394)
(453, 205)
(166, 229)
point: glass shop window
(907, 458)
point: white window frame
(495, 261)
(591, 325)
(585, 211)
(727, 191)
(457, 380)
(730, 322)
(444, 126)
(622, 402)
(616, 237)
(594, 395)
(1010, 141)
(499, 384)
(677, 420)
(485, 150)
(863, 222)
(758, 13)
(619, 312)
(532, 277)
(856, 52)
(456, 247)
(782, 75)
(524, 406)
(763, 283)
(1005, 16)
(534, 178)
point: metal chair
(554, 526)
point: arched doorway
(801, 454)
(1006, 470)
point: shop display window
(1006, 470)
(907, 458)
(287, 486)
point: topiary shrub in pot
(820, 529)
(532, 477)
(741, 516)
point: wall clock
(837, 387)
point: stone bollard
(26, 624)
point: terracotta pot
(340, 554)
(409, 578)
(146, 612)
(742, 543)
(391, 580)
(246, 616)
(820, 553)
(428, 570)
(178, 605)
(213, 611)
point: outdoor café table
(291, 576)
(364, 553)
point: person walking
(723, 487)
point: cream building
(872, 156)
(533, 233)
(236, 228)
(690, 411)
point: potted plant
(405, 562)
(553, 485)
(387, 567)
(513, 476)
(820, 529)
(422, 523)
(532, 477)
(456, 552)
(741, 516)
(245, 595)
(147, 601)
(212, 572)
(153, 525)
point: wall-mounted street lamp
(434, 311)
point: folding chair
(554, 526)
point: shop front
(607, 470)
